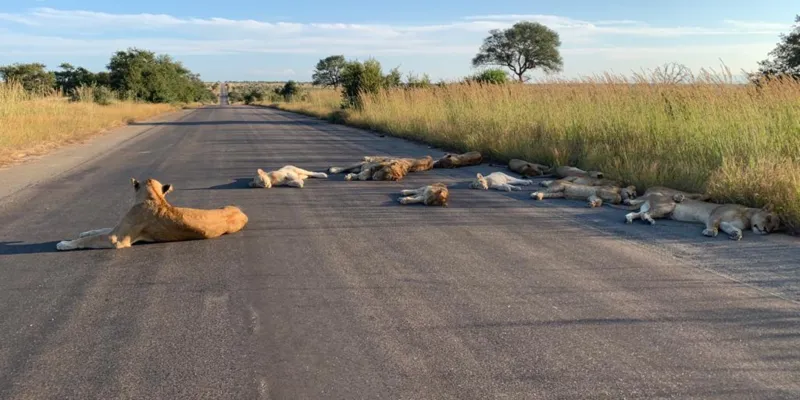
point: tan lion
(527, 169)
(565, 171)
(730, 218)
(583, 180)
(153, 219)
(288, 175)
(670, 192)
(459, 160)
(498, 181)
(383, 168)
(430, 195)
(653, 205)
(595, 195)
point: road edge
(16, 178)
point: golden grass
(737, 142)
(32, 126)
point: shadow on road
(16, 247)
(201, 123)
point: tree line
(133, 74)
(522, 48)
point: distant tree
(33, 77)
(393, 78)
(523, 47)
(359, 78)
(290, 90)
(414, 81)
(785, 57)
(70, 78)
(329, 71)
(491, 75)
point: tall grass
(31, 125)
(737, 142)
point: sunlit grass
(34, 125)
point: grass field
(736, 142)
(32, 126)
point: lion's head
(439, 195)
(765, 221)
(479, 182)
(445, 162)
(393, 171)
(261, 180)
(151, 190)
(627, 193)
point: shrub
(103, 95)
(490, 76)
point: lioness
(730, 218)
(595, 195)
(527, 169)
(669, 192)
(459, 160)
(288, 175)
(653, 205)
(583, 180)
(430, 195)
(153, 219)
(498, 181)
(565, 171)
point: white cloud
(46, 31)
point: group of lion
(153, 219)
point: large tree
(523, 47)
(329, 71)
(785, 58)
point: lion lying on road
(730, 218)
(288, 175)
(459, 160)
(527, 169)
(498, 181)
(430, 195)
(583, 180)
(565, 171)
(153, 219)
(382, 168)
(669, 192)
(595, 195)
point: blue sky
(263, 40)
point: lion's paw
(64, 245)
(737, 235)
(710, 232)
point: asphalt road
(336, 291)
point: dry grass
(32, 126)
(738, 143)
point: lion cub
(288, 175)
(431, 195)
(498, 181)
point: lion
(498, 181)
(595, 195)
(565, 171)
(730, 218)
(153, 219)
(431, 195)
(583, 180)
(653, 205)
(288, 175)
(527, 169)
(450, 160)
(383, 168)
(670, 192)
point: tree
(33, 77)
(329, 71)
(785, 58)
(70, 78)
(523, 47)
(289, 90)
(491, 75)
(359, 78)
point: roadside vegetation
(738, 140)
(41, 110)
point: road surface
(336, 291)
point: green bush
(491, 76)
(358, 78)
(103, 95)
